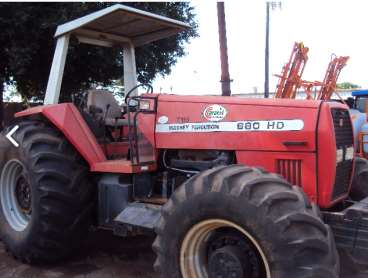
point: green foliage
(27, 41)
(347, 86)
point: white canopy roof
(119, 23)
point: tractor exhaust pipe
(225, 76)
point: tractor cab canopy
(117, 25)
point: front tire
(236, 221)
(46, 200)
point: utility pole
(225, 76)
(269, 5)
(267, 52)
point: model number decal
(265, 125)
(272, 125)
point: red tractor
(232, 187)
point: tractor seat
(103, 105)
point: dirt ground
(106, 256)
(102, 255)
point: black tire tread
(268, 193)
(59, 172)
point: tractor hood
(240, 100)
(235, 123)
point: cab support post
(57, 69)
(130, 78)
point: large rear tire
(46, 200)
(236, 221)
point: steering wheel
(149, 91)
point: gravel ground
(105, 256)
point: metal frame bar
(133, 136)
(130, 71)
(57, 70)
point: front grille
(291, 170)
(343, 175)
(344, 140)
(343, 128)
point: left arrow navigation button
(10, 138)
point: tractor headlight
(339, 155)
(349, 153)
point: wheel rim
(194, 259)
(15, 195)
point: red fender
(68, 120)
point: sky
(326, 27)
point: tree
(27, 41)
(347, 86)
